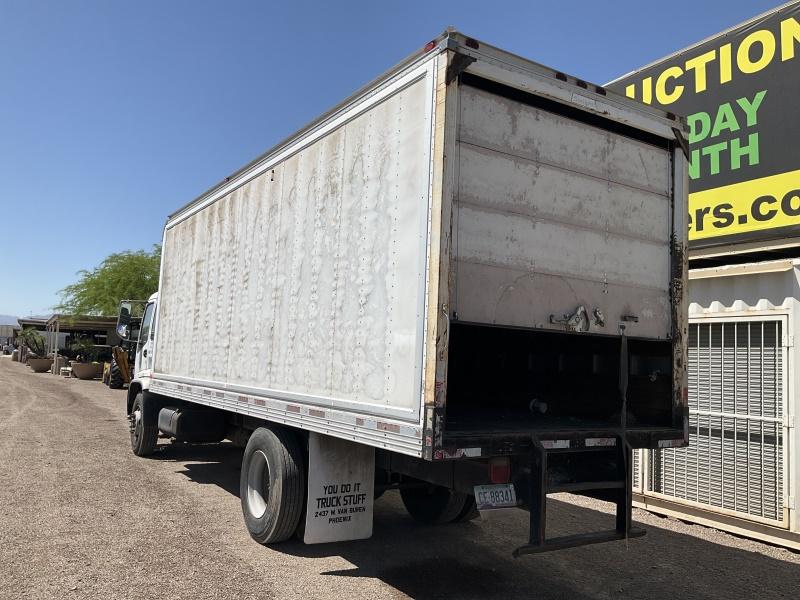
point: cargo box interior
(513, 379)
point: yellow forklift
(119, 372)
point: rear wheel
(435, 505)
(272, 484)
(469, 512)
(144, 427)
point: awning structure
(37, 323)
(101, 329)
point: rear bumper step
(581, 539)
(619, 487)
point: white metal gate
(735, 462)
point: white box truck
(465, 282)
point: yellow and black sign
(740, 92)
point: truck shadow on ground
(216, 464)
(473, 560)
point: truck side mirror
(124, 320)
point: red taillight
(500, 469)
(430, 46)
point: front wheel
(115, 380)
(435, 505)
(272, 484)
(144, 428)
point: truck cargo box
(471, 251)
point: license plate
(502, 495)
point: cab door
(144, 349)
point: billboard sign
(740, 92)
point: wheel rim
(257, 484)
(136, 430)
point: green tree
(121, 276)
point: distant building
(67, 328)
(40, 325)
(7, 333)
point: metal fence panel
(735, 460)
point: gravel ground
(81, 517)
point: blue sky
(113, 114)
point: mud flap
(341, 482)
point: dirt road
(81, 517)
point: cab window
(147, 321)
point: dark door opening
(521, 379)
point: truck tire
(469, 512)
(434, 504)
(144, 428)
(115, 381)
(272, 484)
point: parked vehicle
(465, 281)
(117, 372)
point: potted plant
(84, 366)
(37, 353)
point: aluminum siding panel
(306, 280)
